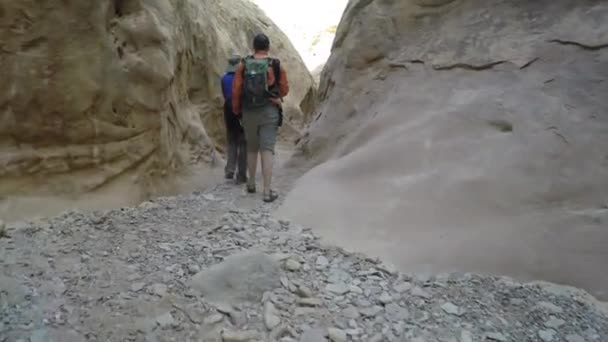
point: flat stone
(394, 312)
(271, 317)
(158, 290)
(193, 268)
(213, 319)
(403, 287)
(165, 320)
(575, 338)
(496, 337)
(303, 291)
(313, 335)
(136, 287)
(385, 298)
(339, 289)
(554, 323)
(546, 335)
(450, 308)
(322, 262)
(244, 276)
(418, 292)
(466, 336)
(303, 311)
(371, 312)
(355, 289)
(336, 335)
(292, 265)
(239, 336)
(351, 312)
(550, 307)
(310, 302)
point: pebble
(158, 289)
(313, 335)
(339, 289)
(466, 336)
(322, 262)
(213, 319)
(293, 265)
(418, 292)
(193, 268)
(554, 323)
(336, 335)
(546, 335)
(165, 320)
(574, 338)
(403, 287)
(271, 317)
(450, 309)
(310, 302)
(136, 287)
(303, 291)
(496, 337)
(550, 307)
(385, 298)
(239, 336)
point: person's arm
(283, 83)
(237, 87)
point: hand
(238, 115)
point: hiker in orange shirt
(260, 83)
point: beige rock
(464, 136)
(120, 99)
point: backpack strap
(276, 69)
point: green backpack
(255, 78)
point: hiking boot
(271, 196)
(229, 175)
(251, 188)
(241, 179)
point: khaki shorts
(260, 126)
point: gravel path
(216, 266)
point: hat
(233, 61)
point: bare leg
(252, 161)
(267, 157)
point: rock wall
(467, 135)
(102, 91)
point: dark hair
(261, 42)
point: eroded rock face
(125, 90)
(465, 135)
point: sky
(303, 21)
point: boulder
(120, 96)
(464, 135)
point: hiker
(235, 135)
(260, 83)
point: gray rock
(158, 290)
(303, 291)
(310, 302)
(466, 336)
(549, 307)
(240, 277)
(193, 268)
(450, 309)
(292, 265)
(313, 335)
(371, 311)
(396, 313)
(546, 335)
(403, 287)
(554, 323)
(339, 289)
(213, 319)
(377, 338)
(355, 289)
(136, 287)
(418, 292)
(336, 335)
(496, 337)
(165, 320)
(385, 298)
(39, 335)
(271, 316)
(574, 338)
(322, 262)
(239, 336)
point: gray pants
(237, 146)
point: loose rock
(336, 335)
